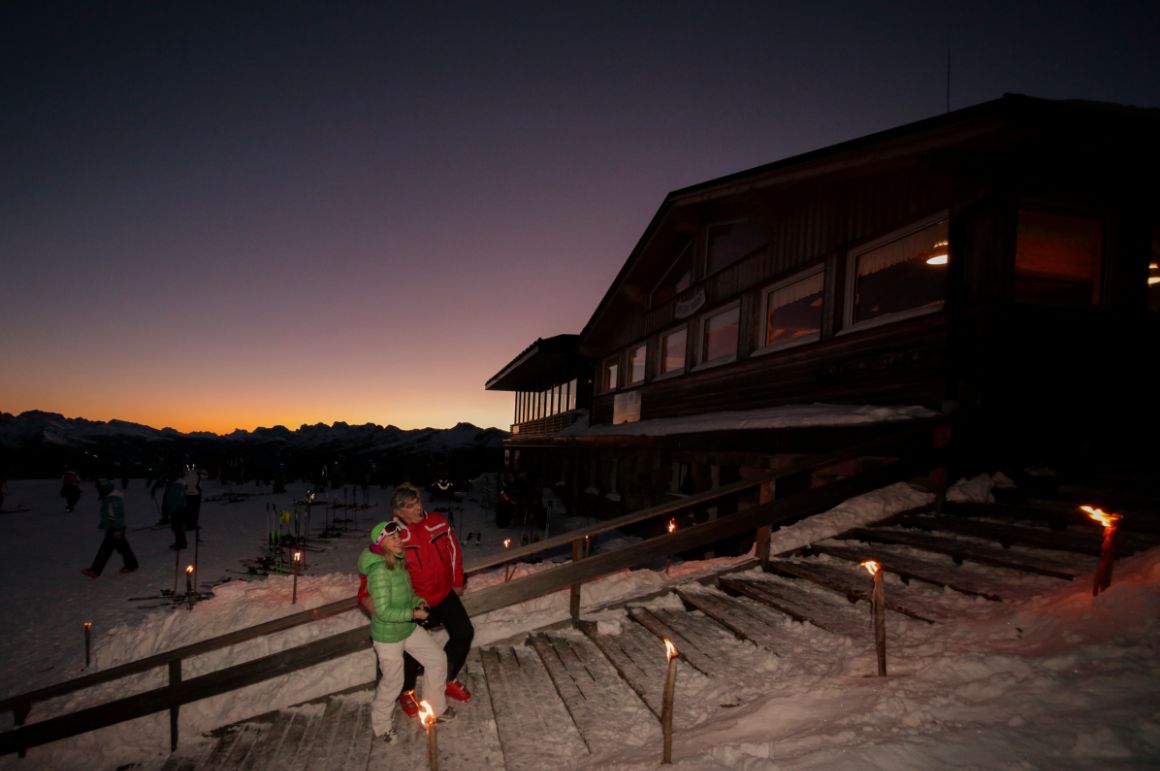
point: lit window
(904, 275)
(1057, 259)
(608, 380)
(636, 360)
(793, 311)
(719, 334)
(672, 358)
(730, 243)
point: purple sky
(214, 218)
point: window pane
(673, 351)
(730, 243)
(721, 333)
(908, 273)
(636, 359)
(608, 382)
(794, 312)
(1057, 259)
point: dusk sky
(231, 215)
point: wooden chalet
(996, 265)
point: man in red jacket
(435, 564)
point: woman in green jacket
(394, 611)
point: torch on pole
(427, 716)
(297, 566)
(878, 613)
(189, 586)
(508, 568)
(667, 702)
(671, 528)
(88, 642)
(1103, 576)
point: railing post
(174, 681)
(765, 494)
(936, 480)
(574, 600)
(19, 715)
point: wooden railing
(917, 450)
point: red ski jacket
(434, 558)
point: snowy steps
(560, 698)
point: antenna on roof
(948, 78)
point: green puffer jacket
(393, 596)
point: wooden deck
(599, 686)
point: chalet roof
(907, 140)
(543, 364)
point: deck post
(936, 480)
(574, 600)
(174, 681)
(765, 493)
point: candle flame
(1099, 515)
(671, 651)
(426, 713)
(871, 566)
(673, 525)
(188, 569)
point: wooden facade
(806, 281)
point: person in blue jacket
(113, 523)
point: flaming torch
(508, 568)
(427, 717)
(1103, 576)
(297, 565)
(189, 585)
(878, 613)
(88, 641)
(667, 702)
(671, 528)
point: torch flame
(426, 713)
(872, 567)
(673, 525)
(188, 569)
(670, 650)
(1099, 515)
(297, 556)
(88, 625)
(507, 542)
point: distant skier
(192, 481)
(112, 521)
(173, 504)
(70, 489)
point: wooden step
(637, 658)
(821, 609)
(600, 702)
(848, 582)
(1007, 535)
(984, 554)
(908, 568)
(700, 641)
(744, 619)
(527, 708)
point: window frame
(702, 328)
(628, 365)
(768, 293)
(852, 255)
(661, 372)
(613, 363)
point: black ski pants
(452, 616)
(114, 541)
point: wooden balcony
(546, 426)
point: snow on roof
(787, 416)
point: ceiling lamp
(938, 254)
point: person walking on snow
(394, 608)
(435, 563)
(112, 521)
(70, 489)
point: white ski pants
(427, 652)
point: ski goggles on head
(393, 527)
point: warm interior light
(1153, 280)
(937, 259)
(938, 253)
